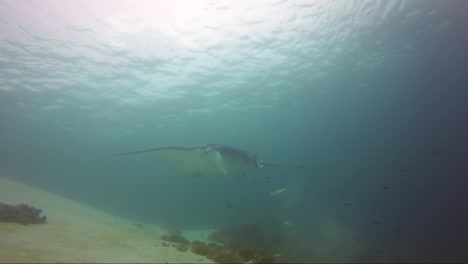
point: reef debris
(21, 214)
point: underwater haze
(365, 102)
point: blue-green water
(366, 103)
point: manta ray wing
(194, 161)
(207, 159)
(216, 160)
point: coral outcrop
(235, 244)
(200, 248)
(21, 213)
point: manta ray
(208, 159)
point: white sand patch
(78, 233)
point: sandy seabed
(78, 233)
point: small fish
(287, 223)
(394, 163)
(347, 204)
(228, 205)
(375, 222)
(384, 187)
(436, 153)
(276, 192)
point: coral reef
(21, 213)
(200, 248)
(182, 246)
(181, 243)
(246, 253)
(242, 244)
(221, 255)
